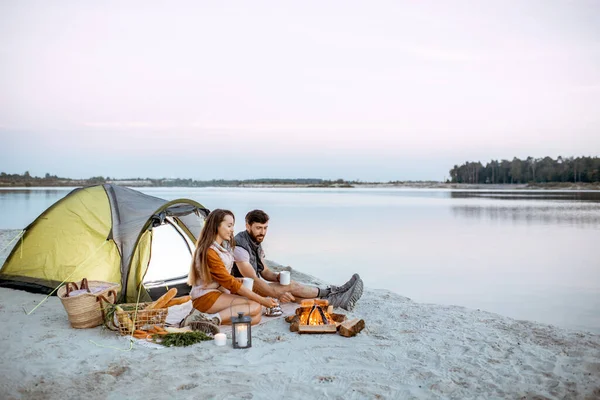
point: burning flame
(314, 313)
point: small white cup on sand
(248, 283)
(284, 277)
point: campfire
(317, 316)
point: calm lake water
(528, 254)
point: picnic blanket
(179, 312)
(287, 308)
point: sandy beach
(407, 350)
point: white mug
(248, 283)
(284, 277)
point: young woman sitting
(214, 290)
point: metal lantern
(241, 331)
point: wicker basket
(85, 310)
(136, 316)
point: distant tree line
(25, 179)
(530, 170)
(47, 180)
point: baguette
(178, 330)
(163, 300)
(125, 319)
(178, 300)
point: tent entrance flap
(170, 254)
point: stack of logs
(344, 327)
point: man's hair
(255, 216)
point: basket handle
(101, 298)
(114, 295)
(84, 285)
(68, 285)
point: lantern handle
(231, 304)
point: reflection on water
(583, 217)
(593, 196)
(8, 192)
(581, 209)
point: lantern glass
(241, 331)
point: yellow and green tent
(109, 233)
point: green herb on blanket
(182, 339)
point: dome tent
(108, 233)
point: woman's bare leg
(228, 305)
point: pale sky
(369, 90)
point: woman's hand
(268, 302)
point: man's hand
(286, 297)
(269, 275)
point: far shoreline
(551, 186)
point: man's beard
(257, 239)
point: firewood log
(289, 318)
(338, 317)
(352, 327)
(322, 302)
(295, 324)
(307, 303)
(300, 310)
